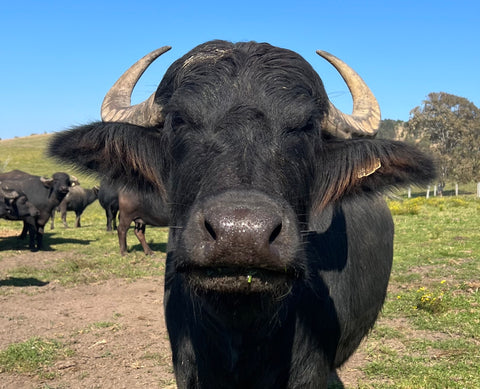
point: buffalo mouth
(243, 280)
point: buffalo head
(279, 239)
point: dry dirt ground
(115, 329)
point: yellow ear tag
(364, 172)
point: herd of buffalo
(280, 242)
(34, 200)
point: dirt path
(115, 328)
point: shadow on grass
(50, 240)
(157, 247)
(15, 243)
(22, 282)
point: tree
(448, 126)
(390, 129)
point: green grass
(79, 255)
(428, 335)
(32, 355)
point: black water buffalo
(141, 208)
(280, 246)
(108, 199)
(6, 199)
(45, 193)
(15, 205)
(76, 200)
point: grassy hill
(28, 154)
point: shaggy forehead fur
(215, 76)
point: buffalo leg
(140, 234)
(39, 236)
(64, 219)
(52, 219)
(123, 225)
(31, 230)
(24, 232)
(77, 220)
(114, 219)
(108, 214)
(111, 219)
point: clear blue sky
(59, 58)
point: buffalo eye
(306, 128)
(177, 121)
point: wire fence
(472, 189)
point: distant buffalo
(15, 205)
(76, 200)
(44, 193)
(142, 209)
(108, 199)
(281, 244)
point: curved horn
(116, 106)
(46, 181)
(74, 181)
(8, 193)
(365, 117)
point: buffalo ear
(368, 165)
(127, 154)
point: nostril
(275, 233)
(210, 230)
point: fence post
(409, 193)
(428, 191)
(478, 189)
(456, 189)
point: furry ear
(127, 154)
(368, 165)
